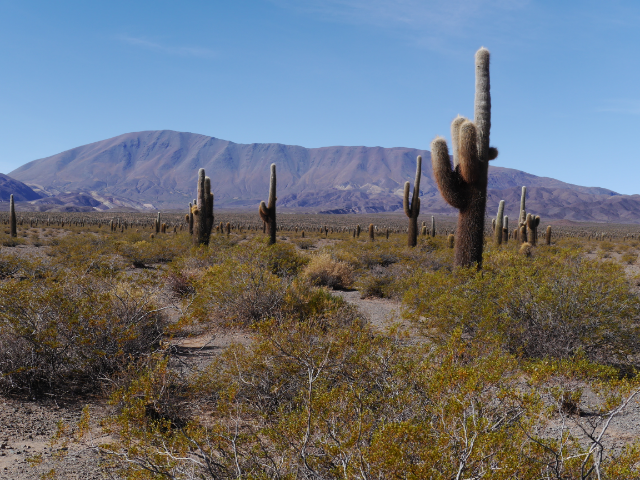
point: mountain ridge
(157, 168)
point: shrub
(61, 336)
(378, 282)
(304, 243)
(553, 305)
(240, 294)
(306, 401)
(629, 258)
(322, 270)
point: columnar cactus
(371, 234)
(548, 235)
(522, 218)
(358, 231)
(497, 234)
(505, 229)
(465, 186)
(433, 226)
(451, 240)
(268, 212)
(203, 211)
(12, 218)
(412, 209)
(157, 225)
(532, 228)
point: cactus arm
(405, 200)
(469, 166)
(455, 138)
(264, 212)
(449, 181)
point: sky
(565, 76)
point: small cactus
(412, 209)
(451, 240)
(497, 231)
(547, 236)
(268, 211)
(12, 218)
(505, 229)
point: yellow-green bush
(307, 401)
(64, 334)
(554, 304)
(322, 270)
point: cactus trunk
(203, 211)
(268, 211)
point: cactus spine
(412, 210)
(465, 187)
(12, 218)
(268, 212)
(203, 211)
(497, 234)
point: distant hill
(157, 169)
(20, 191)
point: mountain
(20, 191)
(157, 169)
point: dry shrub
(526, 249)
(554, 305)
(322, 270)
(629, 258)
(67, 334)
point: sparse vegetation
(505, 356)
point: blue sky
(565, 76)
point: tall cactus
(412, 209)
(465, 187)
(157, 224)
(203, 211)
(497, 234)
(433, 226)
(268, 212)
(12, 218)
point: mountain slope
(159, 168)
